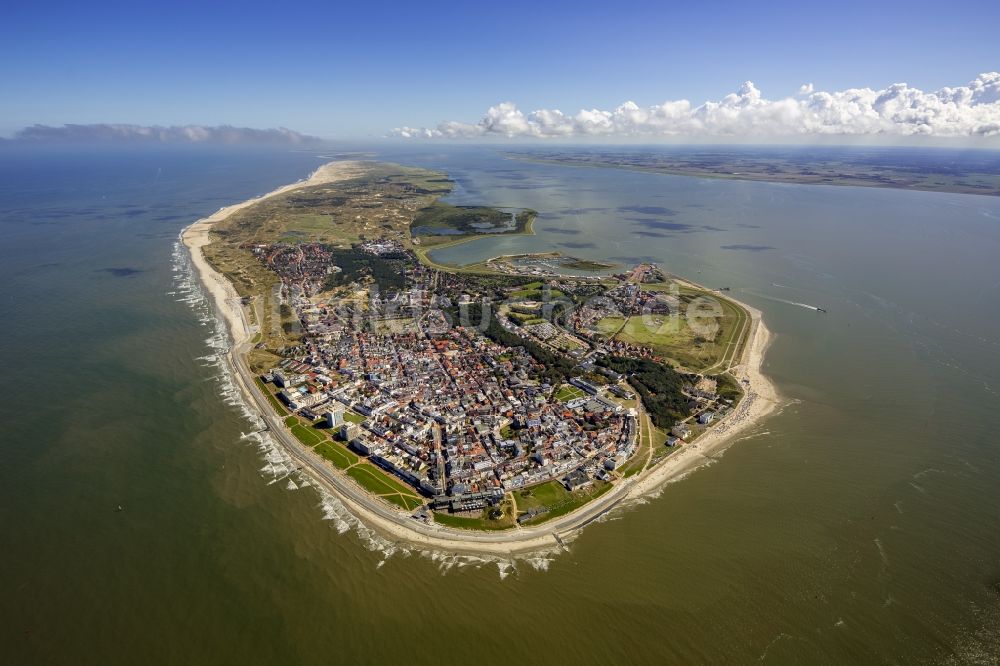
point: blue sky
(352, 71)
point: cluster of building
(304, 265)
(381, 247)
(454, 414)
(449, 411)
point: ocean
(859, 524)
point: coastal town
(493, 405)
(464, 419)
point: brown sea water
(860, 524)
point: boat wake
(784, 300)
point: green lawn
(376, 481)
(560, 501)
(337, 454)
(657, 331)
(531, 286)
(548, 494)
(305, 434)
(568, 392)
(354, 417)
(609, 325)
(673, 337)
(278, 407)
(408, 502)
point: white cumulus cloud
(972, 110)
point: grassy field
(354, 417)
(407, 502)
(568, 392)
(661, 332)
(337, 454)
(377, 481)
(278, 407)
(560, 501)
(381, 484)
(709, 350)
(305, 434)
(547, 494)
(609, 326)
(587, 265)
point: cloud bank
(176, 134)
(972, 110)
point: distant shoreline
(749, 174)
(760, 399)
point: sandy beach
(196, 236)
(760, 400)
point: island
(927, 170)
(494, 408)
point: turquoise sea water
(861, 524)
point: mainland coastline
(759, 399)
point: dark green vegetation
(727, 387)
(387, 271)
(495, 281)
(658, 384)
(915, 169)
(442, 219)
(575, 264)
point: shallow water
(857, 525)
